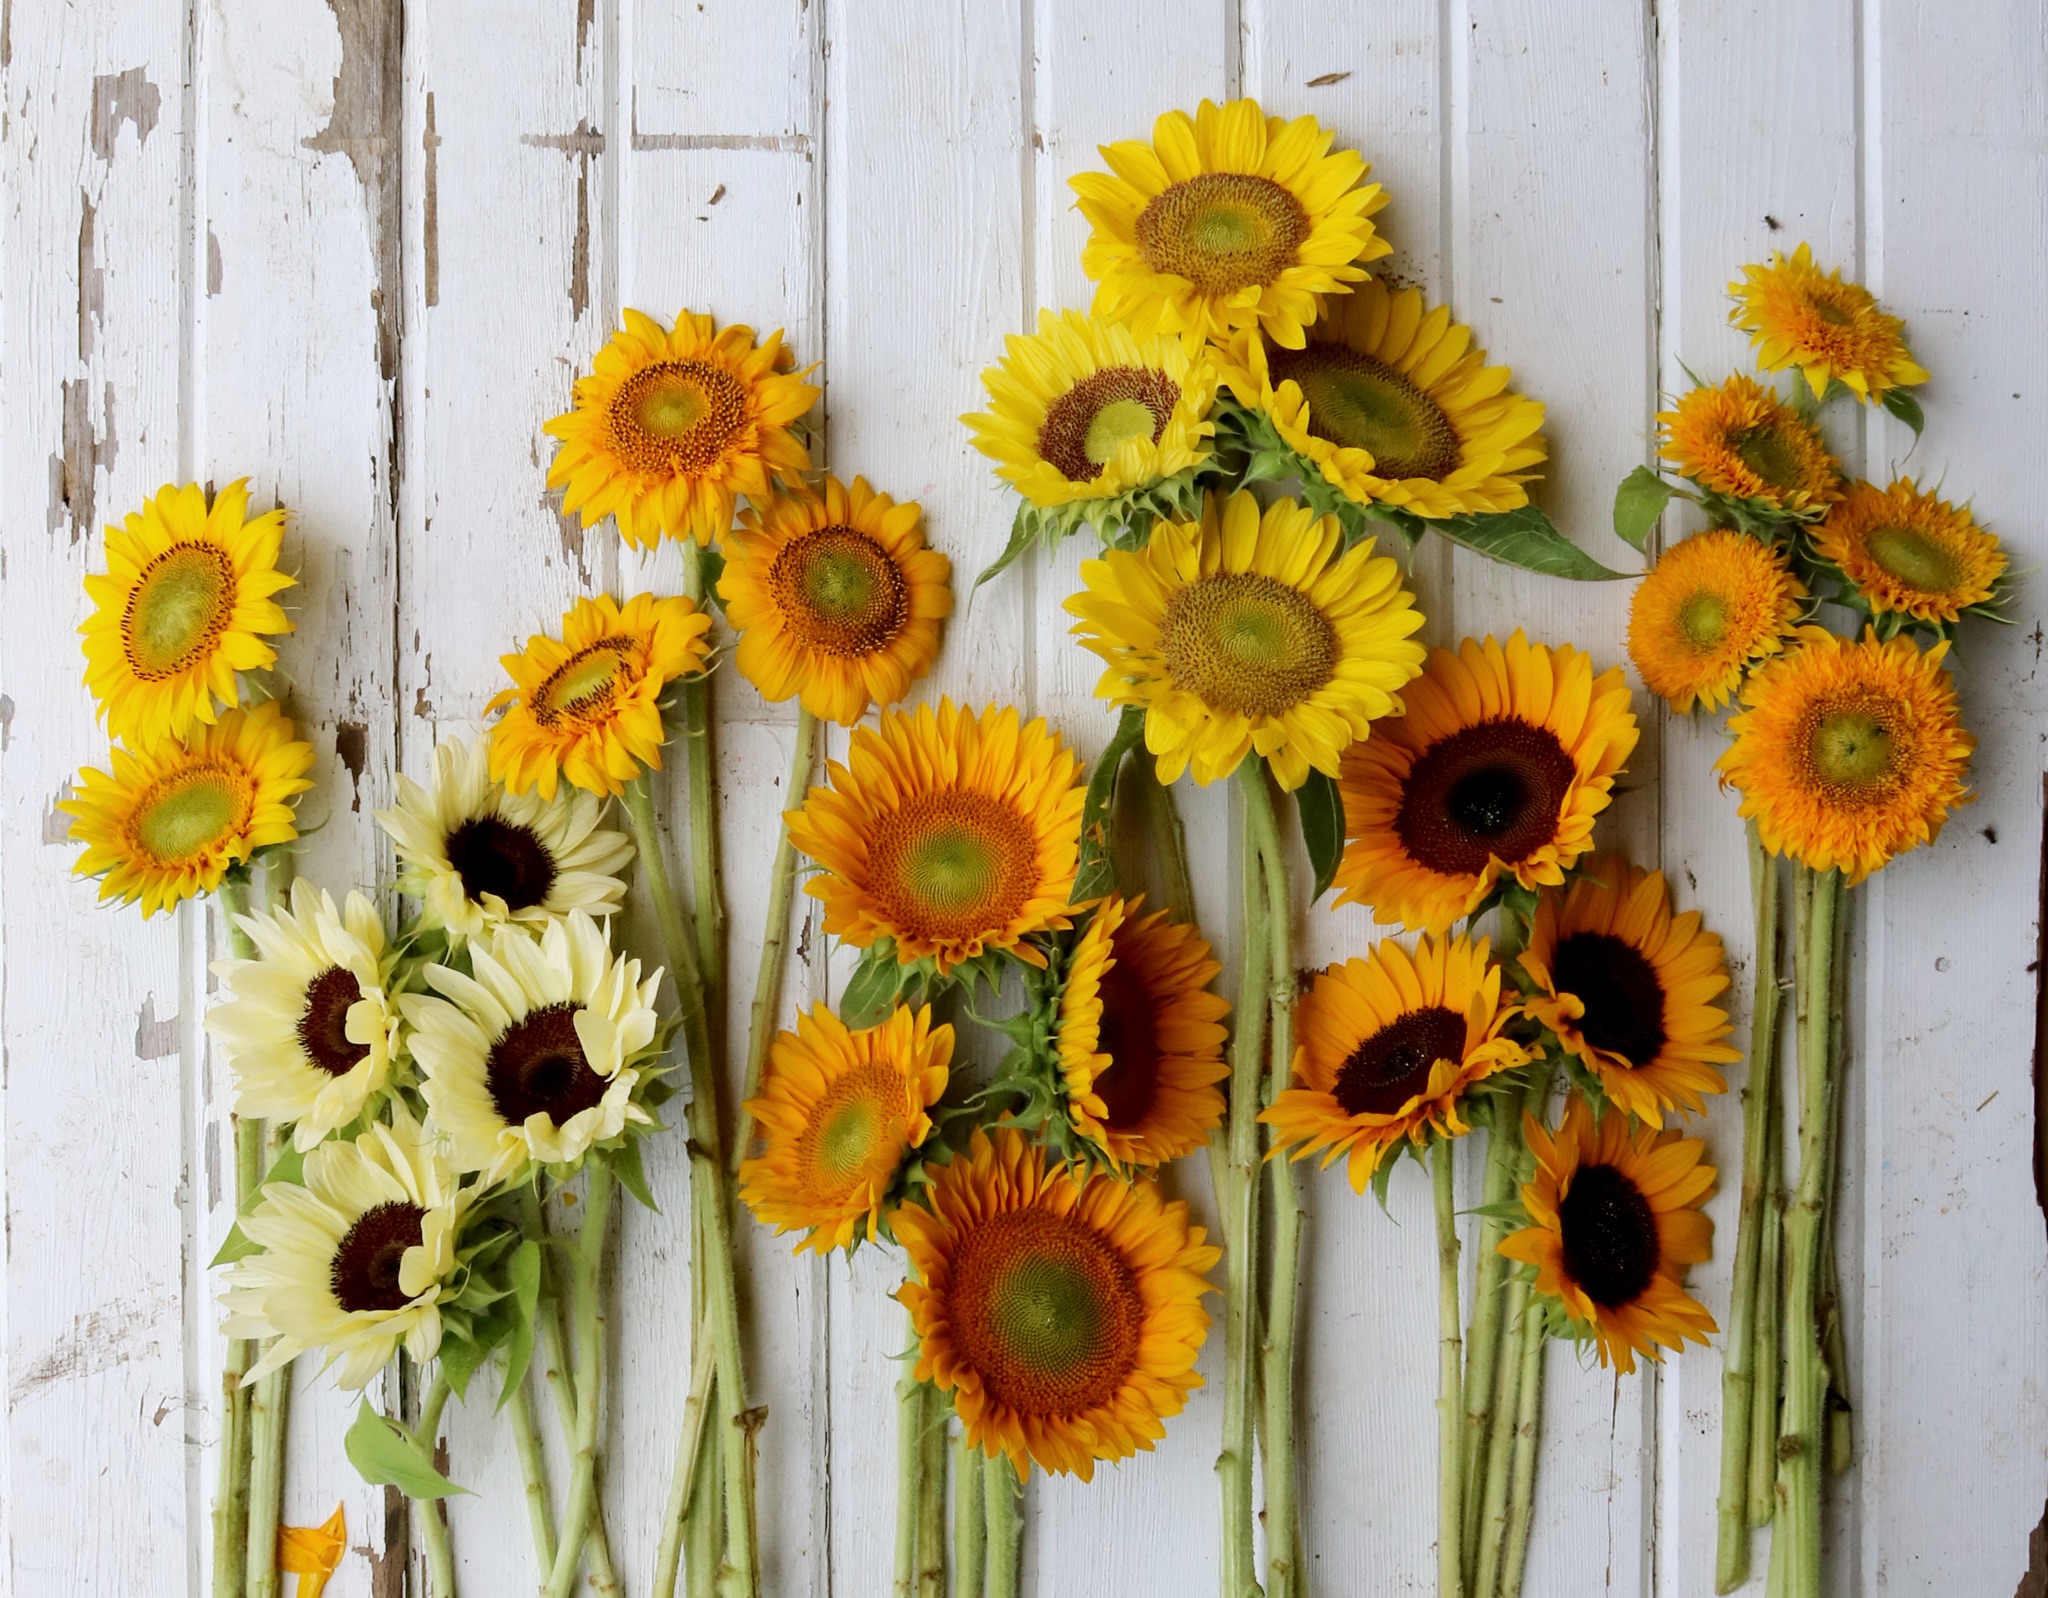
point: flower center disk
(583, 687)
(952, 865)
(181, 605)
(1223, 231)
(1851, 750)
(367, 1261)
(839, 592)
(1767, 452)
(1129, 1034)
(854, 1131)
(187, 813)
(1703, 618)
(1085, 427)
(1392, 1066)
(1246, 642)
(323, 1024)
(1047, 1311)
(1359, 402)
(537, 1067)
(1494, 790)
(1624, 1000)
(495, 857)
(1914, 559)
(677, 416)
(1610, 1236)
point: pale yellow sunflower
(1911, 553)
(1741, 440)
(1712, 606)
(1833, 331)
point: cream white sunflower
(478, 857)
(357, 1260)
(536, 1057)
(312, 1030)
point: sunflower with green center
(1616, 1217)
(538, 1053)
(670, 426)
(1849, 752)
(836, 598)
(312, 1031)
(839, 1113)
(1504, 756)
(587, 707)
(1908, 553)
(1083, 412)
(949, 831)
(1741, 441)
(184, 604)
(1628, 988)
(1063, 1315)
(1391, 404)
(1834, 332)
(168, 822)
(355, 1261)
(1227, 219)
(1389, 1047)
(1140, 1036)
(1249, 633)
(1712, 606)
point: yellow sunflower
(1741, 440)
(1849, 752)
(836, 599)
(1063, 1316)
(588, 706)
(183, 605)
(670, 426)
(1503, 759)
(839, 1112)
(1227, 219)
(1798, 315)
(1617, 1220)
(1911, 553)
(1628, 987)
(1389, 1047)
(1393, 405)
(1083, 410)
(1140, 1035)
(1712, 606)
(1246, 633)
(168, 822)
(949, 831)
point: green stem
(1522, 1474)
(428, 1514)
(1003, 1499)
(707, 901)
(1743, 1353)
(970, 1522)
(1490, 1534)
(703, 1527)
(767, 1006)
(1484, 1368)
(1840, 1451)
(1171, 837)
(1762, 1491)
(931, 1498)
(584, 1283)
(683, 1482)
(231, 1491)
(533, 1471)
(909, 1478)
(267, 1411)
(1450, 1577)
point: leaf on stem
(1097, 873)
(1638, 505)
(385, 1455)
(1526, 538)
(1321, 809)
(290, 1168)
(524, 1272)
(1906, 408)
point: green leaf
(462, 1356)
(632, 1175)
(712, 564)
(871, 991)
(1526, 538)
(524, 1272)
(1322, 827)
(1023, 533)
(289, 1167)
(1638, 504)
(384, 1456)
(1906, 408)
(1097, 874)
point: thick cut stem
(1522, 1473)
(703, 1526)
(683, 1483)
(1450, 1579)
(1840, 1448)
(428, 1514)
(1742, 1351)
(1484, 1369)
(1003, 1497)
(268, 1408)
(909, 1479)
(970, 1521)
(1770, 1304)
(931, 1499)
(707, 898)
(231, 1491)
(533, 1472)
(584, 1285)
(1490, 1536)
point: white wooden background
(359, 256)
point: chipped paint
(584, 143)
(100, 1339)
(86, 450)
(56, 824)
(92, 278)
(351, 748)
(155, 1039)
(6, 721)
(213, 263)
(430, 208)
(122, 97)
(365, 126)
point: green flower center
(1246, 642)
(1851, 749)
(1769, 453)
(1914, 559)
(180, 606)
(1359, 402)
(1703, 618)
(583, 687)
(1223, 231)
(1085, 427)
(952, 866)
(192, 812)
(839, 592)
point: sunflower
(1390, 1045)
(1084, 410)
(670, 426)
(1741, 440)
(1848, 753)
(1628, 987)
(1910, 553)
(1140, 1036)
(1503, 759)
(1798, 315)
(1712, 606)
(839, 1112)
(537, 1056)
(1617, 1219)
(836, 599)
(1063, 1315)
(312, 1029)
(1392, 405)
(477, 857)
(1227, 219)
(357, 1260)
(949, 831)
(184, 604)
(168, 822)
(1246, 633)
(588, 707)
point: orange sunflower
(1911, 553)
(1799, 316)
(1741, 440)
(1712, 606)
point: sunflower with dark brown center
(1616, 1219)
(1063, 1316)
(1504, 756)
(1388, 1048)
(837, 599)
(1629, 987)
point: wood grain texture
(358, 252)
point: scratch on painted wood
(430, 209)
(584, 142)
(113, 1334)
